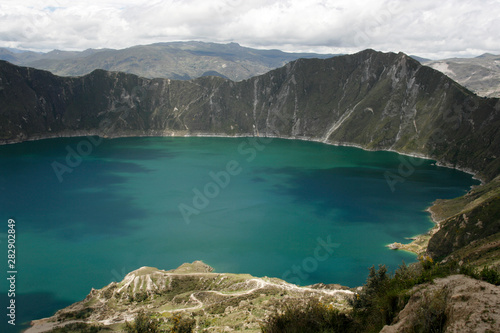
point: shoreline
(418, 245)
(185, 133)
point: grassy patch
(76, 315)
(312, 316)
(79, 328)
(432, 315)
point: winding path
(260, 284)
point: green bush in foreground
(487, 274)
(146, 323)
(78, 328)
(182, 324)
(143, 323)
(310, 317)
(383, 296)
(380, 300)
(431, 316)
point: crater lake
(88, 210)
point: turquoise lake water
(89, 210)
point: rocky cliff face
(371, 99)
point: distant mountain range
(175, 60)
(480, 74)
(189, 60)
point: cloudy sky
(428, 28)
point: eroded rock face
(370, 99)
(464, 304)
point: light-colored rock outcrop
(468, 305)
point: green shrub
(108, 292)
(490, 275)
(138, 297)
(382, 297)
(77, 328)
(487, 274)
(143, 323)
(182, 324)
(76, 315)
(431, 316)
(310, 317)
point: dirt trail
(260, 284)
(246, 287)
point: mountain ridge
(192, 59)
(480, 74)
(174, 60)
(374, 100)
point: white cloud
(428, 28)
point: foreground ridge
(221, 300)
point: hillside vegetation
(192, 298)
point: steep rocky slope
(469, 227)
(370, 99)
